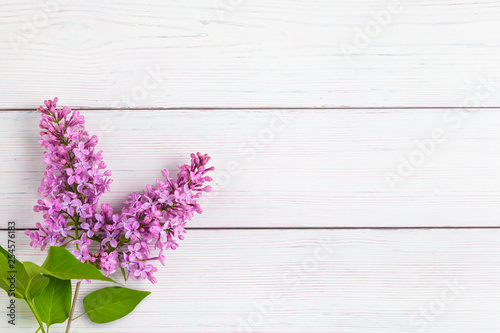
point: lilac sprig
(150, 223)
(155, 219)
(74, 179)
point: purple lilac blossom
(151, 222)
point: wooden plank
(295, 168)
(228, 53)
(372, 281)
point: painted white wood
(372, 281)
(227, 53)
(323, 168)
(392, 164)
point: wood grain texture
(372, 281)
(233, 53)
(263, 87)
(295, 168)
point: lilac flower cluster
(74, 179)
(151, 222)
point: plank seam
(321, 228)
(270, 108)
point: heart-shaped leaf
(111, 303)
(60, 263)
(54, 303)
(36, 285)
(33, 269)
(36, 282)
(4, 281)
(13, 270)
(30, 281)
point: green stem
(124, 275)
(76, 237)
(66, 244)
(79, 316)
(32, 308)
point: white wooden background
(355, 191)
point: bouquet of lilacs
(101, 241)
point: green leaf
(4, 267)
(54, 303)
(37, 285)
(13, 269)
(111, 303)
(60, 263)
(32, 282)
(37, 281)
(3, 262)
(33, 269)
